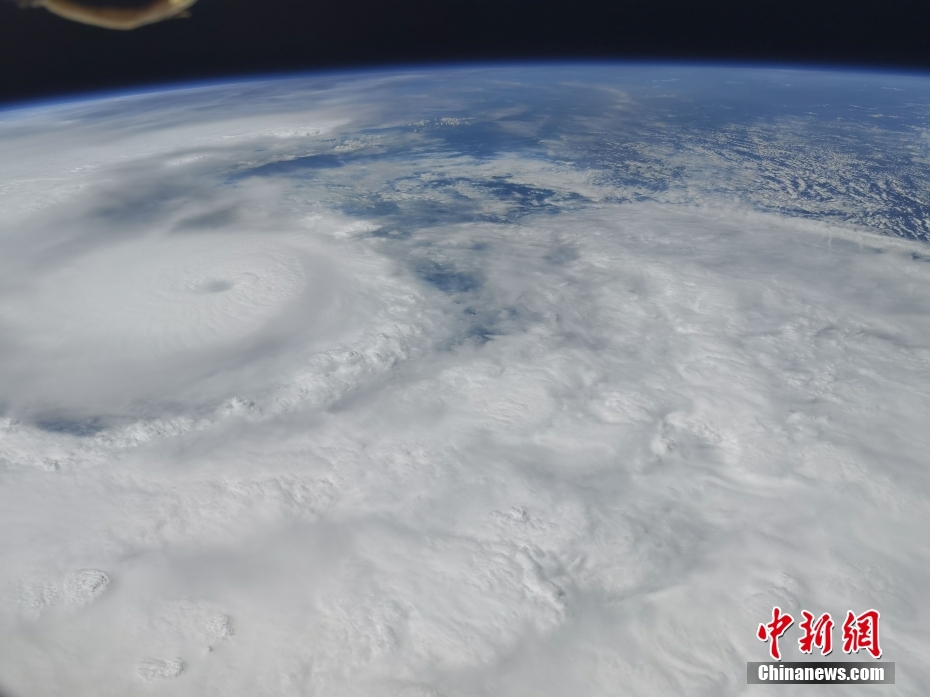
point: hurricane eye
(216, 286)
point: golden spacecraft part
(110, 17)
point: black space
(44, 55)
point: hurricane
(495, 380)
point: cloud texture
(360, 386)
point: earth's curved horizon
(480, 380)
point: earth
(467, 381)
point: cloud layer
(340, 397)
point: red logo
(819, 633)
(858, 632)
(774, 629)
(861, 633)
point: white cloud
(581, 453)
